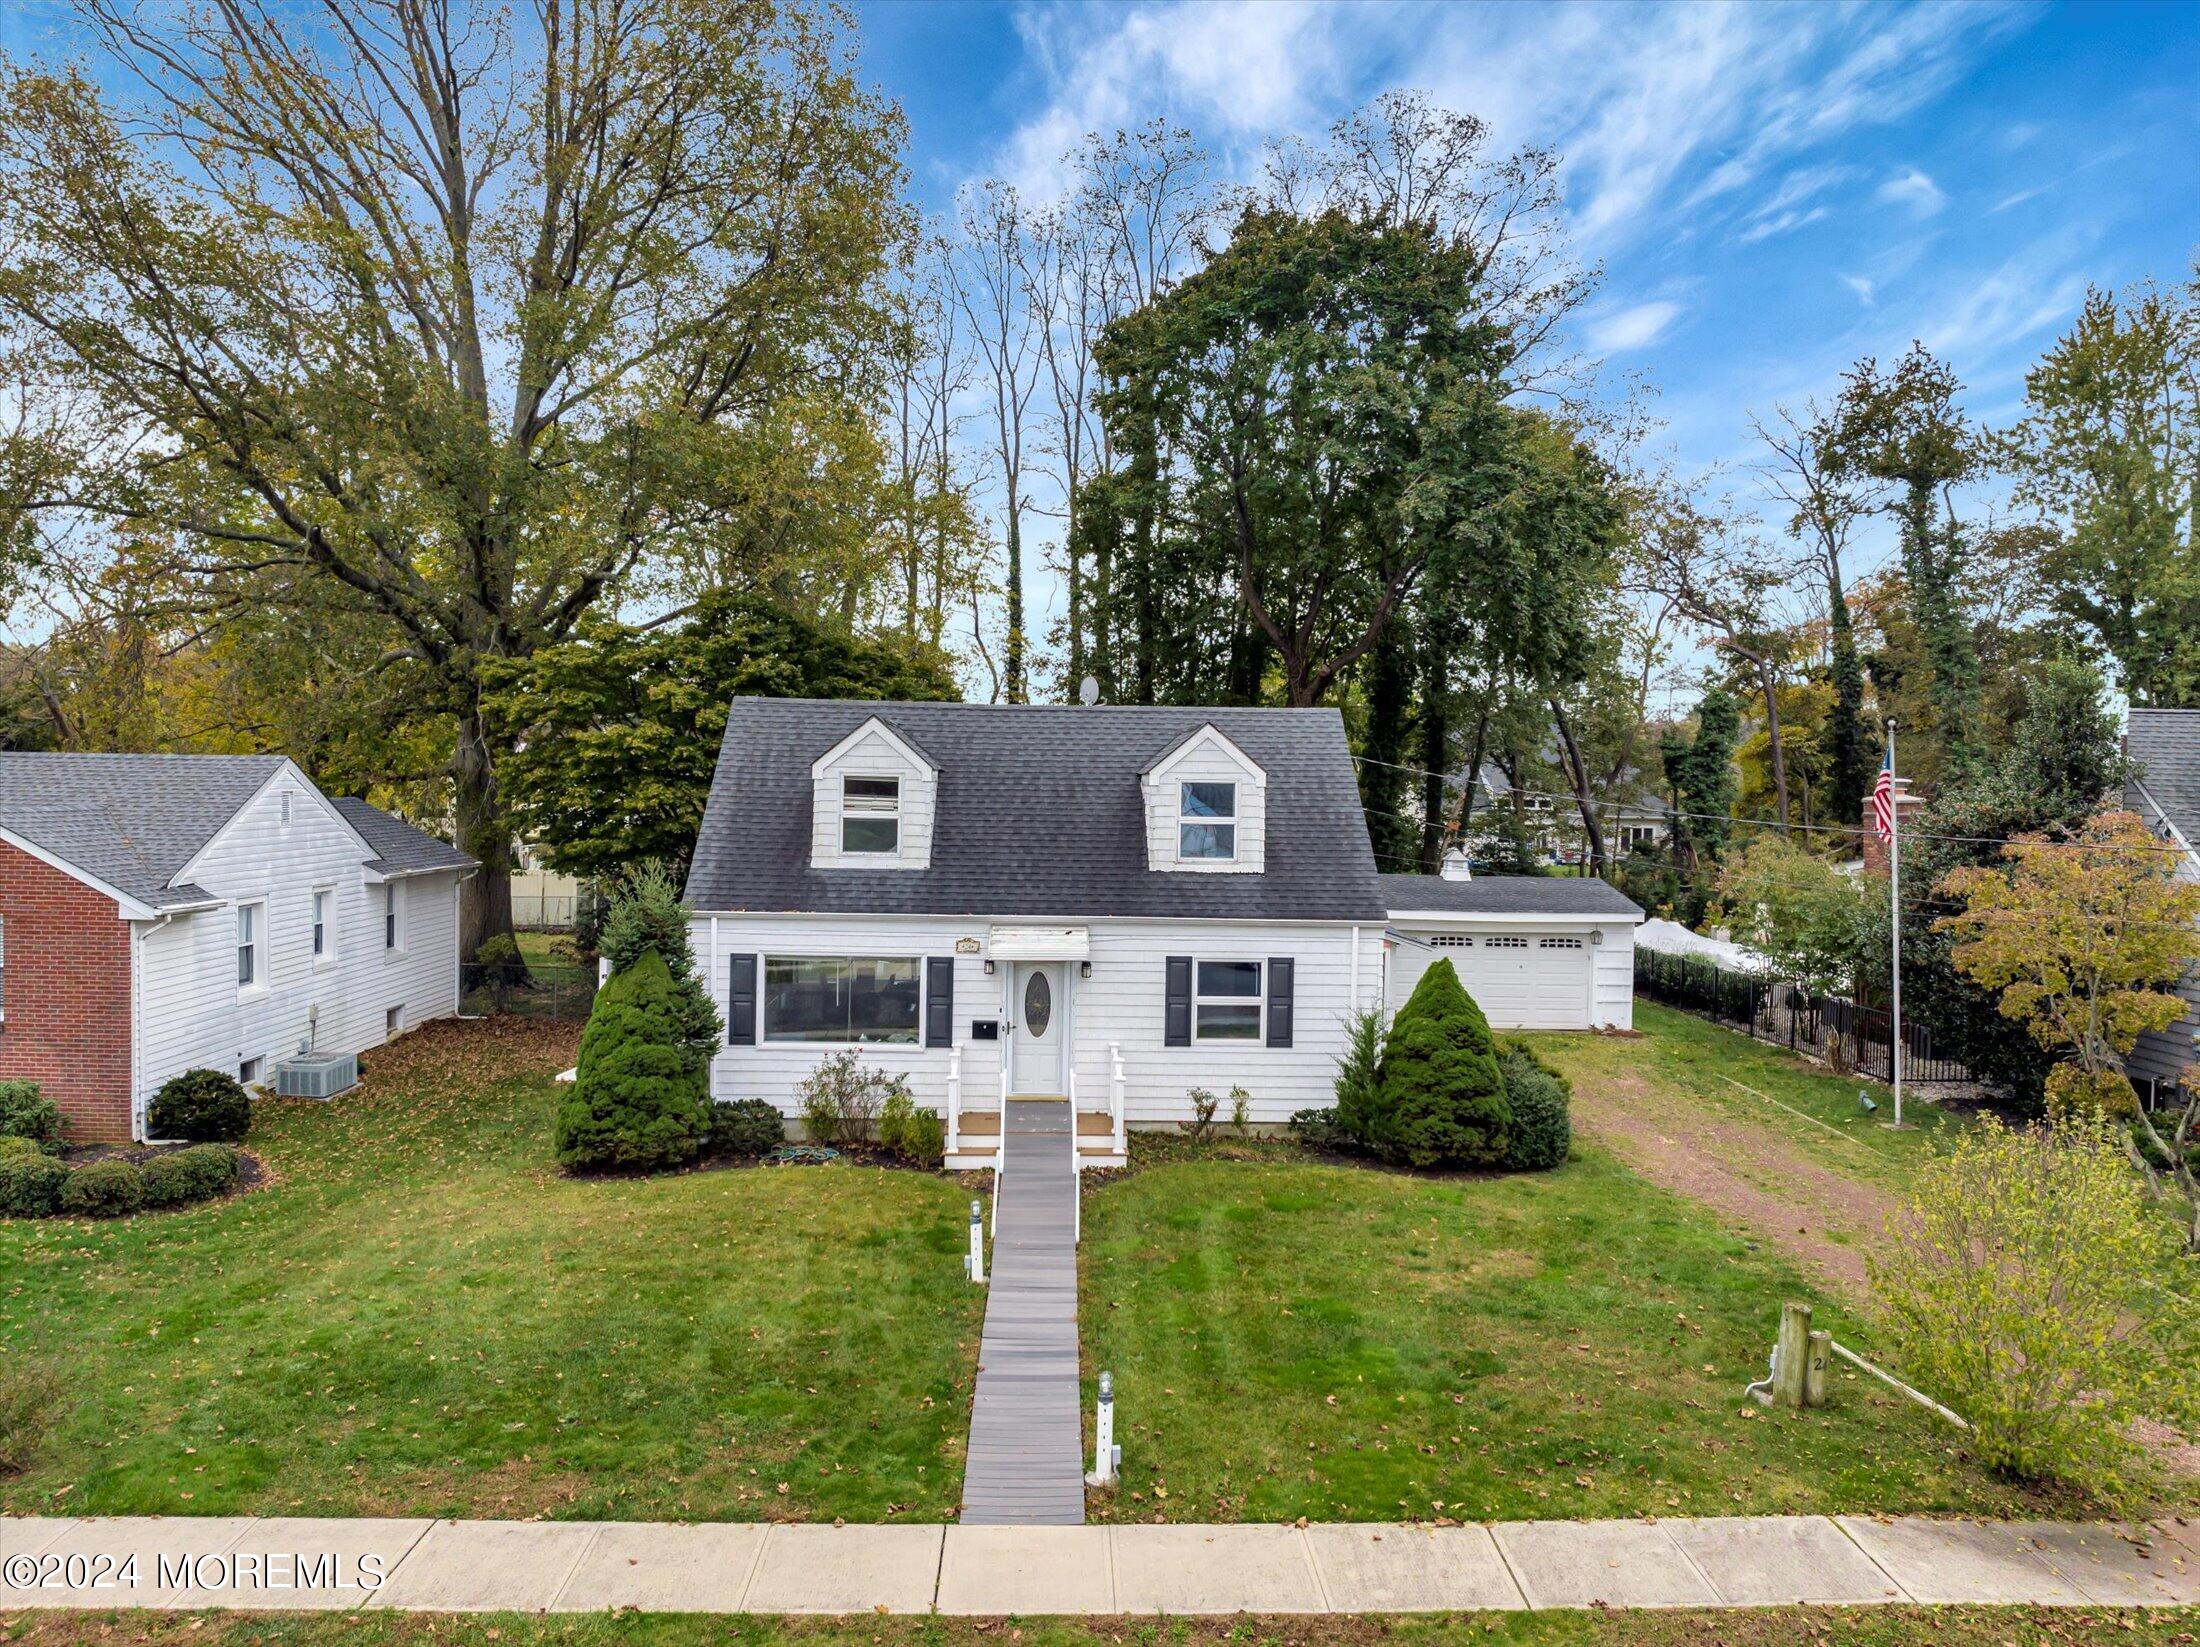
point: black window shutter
(1279, 1001)
(939, 1001)
(1176, 1022)
(741, 1003)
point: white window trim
(1235, 820)
(393, 920)
(1258, 1000)
(322, 907)
(764, 1035)
(257, 1065)
(870, 809)
(260, 947)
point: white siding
(1122, 1002)
(191, 1014)
(1539, 987)
(1207, 758)
(2161, 1059)
(872, 754)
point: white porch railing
(954, 1099)
(1116, 1095)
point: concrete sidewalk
(576, 1566)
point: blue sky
(1772, 190)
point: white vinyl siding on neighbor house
(1548, 973)
(871, 753)
(2159, 1060)
(1124, 1002)
(192, 1012)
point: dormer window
(1207, 821)
(870, 815)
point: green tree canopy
(2110, 448)
(616, 732)
(459, 320)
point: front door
(1037, 1012)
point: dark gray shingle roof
(1040, 813)
(2166, 745)
(399, 848)
(131, 821)
(1564, 895)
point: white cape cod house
(1113, 904)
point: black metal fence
(1829, 1027)
(543, 990)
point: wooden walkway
(1026, 1460)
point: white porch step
(980, 1138)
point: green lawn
(1676, 1053)
(1751, 1627)
(1291, 1338)
(419, 1314)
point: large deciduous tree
(2110, 449)
(616, 732)
(466, 317)
(1903, 429)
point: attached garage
(1535, 952)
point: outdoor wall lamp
(1084, 969)
(989, 966)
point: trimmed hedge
(186, 1175)
(30, 1185)
(103, 1189)
(916, 1135)
(201, 1106)
(26, 1112)
(747, 1126)
(1542, 1133)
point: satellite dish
(1088, 690)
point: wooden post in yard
(1791, 1355)
(1814, 1368)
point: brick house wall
(67, 995)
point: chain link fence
(542, 989)
(1830, 1028)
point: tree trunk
(1769, 685)
(1382, 771)
(485, 834)
(1435, 752)
(1577, 774)
(1012, 662)
(1474, 777)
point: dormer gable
(1206, 807)
(873, 798)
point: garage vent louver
(317, 1077)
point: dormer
(873, 795)
(1206, 807)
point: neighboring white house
(2164, 745)
(1535, 951)
(168, 912)
(1114, 904)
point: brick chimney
(1906, 809)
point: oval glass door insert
(1038, 1004)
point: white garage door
(1527, 980)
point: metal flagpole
(1894, 894)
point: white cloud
(1635, 327)
(1652, 106)
(2026, 295)
(1913, 189)
(1862, 286)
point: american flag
(1883, 800)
